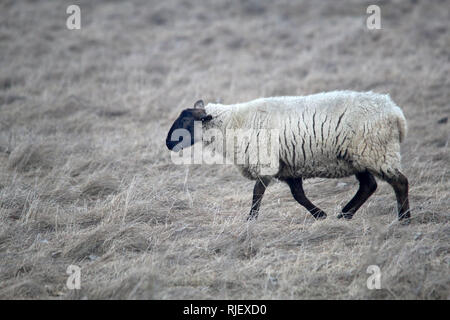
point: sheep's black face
(182, 135)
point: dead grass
(85, 177)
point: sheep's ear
(208, 117)
(199, 105)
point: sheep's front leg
(296, 186)
(367, 186)
(258, 193)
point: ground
(86, 178)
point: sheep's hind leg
(399, 183)
(367, 186)
(258, 193)
(296, 186)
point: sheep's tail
(401, 120)
(402, 127)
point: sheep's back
(322, 135)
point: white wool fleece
(331, 135)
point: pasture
(86, 178)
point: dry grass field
(86, 178)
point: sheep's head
(181, 134)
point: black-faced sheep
(330, 135)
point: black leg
(258, 193)
(367, 186)
(296, 186)
(400, 185)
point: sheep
(329, 135)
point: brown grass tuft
(29, 156)
(100, 186)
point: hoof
(405, 219)
(406, 216)
(405, 222)
(320, 216)
(252, 216)
(347, 216)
